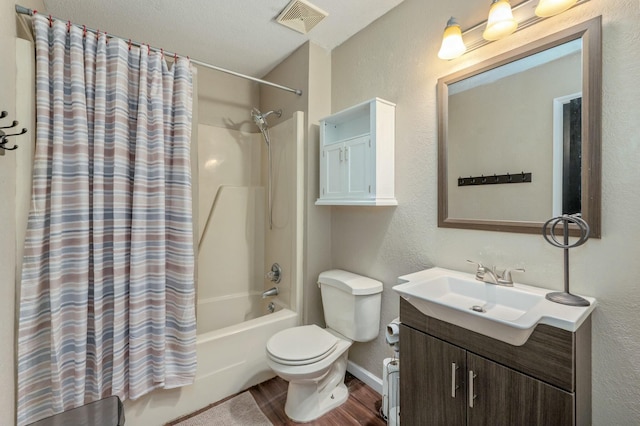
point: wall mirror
(519, 136)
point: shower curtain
(107, 295)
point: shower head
(261, 118)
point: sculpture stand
(565, 297)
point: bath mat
(241, 410)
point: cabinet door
(431, 391)
(358, 170)
(333, 171)
(502, 396)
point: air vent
(301, 16)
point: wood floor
(360, 409)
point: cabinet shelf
(357, 156)
(372, 202)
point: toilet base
(309, 399)
(304, 406)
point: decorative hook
(495, 179)
(14, 124)
(22, 132)
(4, 136)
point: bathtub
(219, 312)
(230, 359)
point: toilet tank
(351, 304)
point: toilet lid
(301, 345)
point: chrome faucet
(506, 276)
(273, 291)
(493, 276)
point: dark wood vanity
(452, 376)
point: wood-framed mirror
(519, 136)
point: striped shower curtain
(107, 295)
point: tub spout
(273, 291)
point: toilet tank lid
(349, 282)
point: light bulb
(452, 44)
(500, 22)
(546, 8)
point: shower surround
(235, 247)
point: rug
(241, 410)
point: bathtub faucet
(273, 291)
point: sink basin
(509, 314)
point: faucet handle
(275, 274)
(506, 276)
(480, 271)
(476, 263)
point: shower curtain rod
(26, 11)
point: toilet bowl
(314, 360)
(315, 375)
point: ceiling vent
(301, 16)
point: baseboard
(367, 377)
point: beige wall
(7, 216)
(308, 69)
(490, 132)
(8, 188)
(395, 58)
(225, 100)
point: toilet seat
(301, 345)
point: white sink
(509, 314)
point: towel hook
(4, 135)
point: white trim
(367, 377)
(558, 150)
(516, 67)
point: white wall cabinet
(357, 156)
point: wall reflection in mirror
(522, 113)
(502, 121)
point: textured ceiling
(240, 35)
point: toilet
(314, 360)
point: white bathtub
(230, 360)
(219, 312)
(233, 358)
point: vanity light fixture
(452, 44)
(500, 22)
(548, 8)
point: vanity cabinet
(357, 155)
(453, 376)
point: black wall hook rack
(4, 136)
(495, 179)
